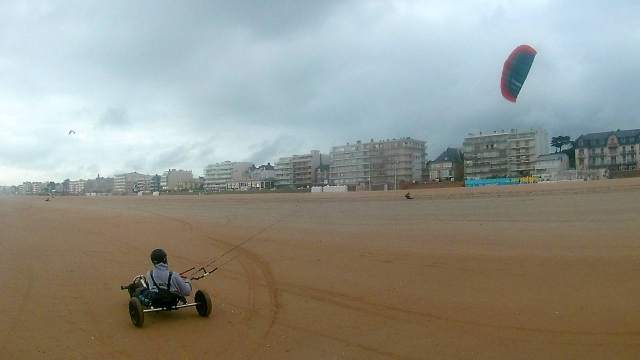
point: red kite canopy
(515, 71)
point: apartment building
(99, 185)
(33, 188)
(173, 179)
(76, 186)
(154, 183)
(378, 162)
(38, 187)
(299, 170)
(217, 176)
(613, 150)
(129, 182)
(27, 188)
(503, 154)
(255, 178)
(197, 183)
(143, 184)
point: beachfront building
(76, 186)
(129, 182)
(217, 176)
(612, 150)
(173, 179)
(27, 188)
(503, 154)
(378, 162)
(99, 185)
(33, 188)
(548, 166)
(197, 183)
(255, 178)
(143, 184)
(447, 167)
(299, 170)
(38, 187)
(154, 183)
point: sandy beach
(541, 271)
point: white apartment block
(299, 170)
(76, 186)
(32, 188)
(381, 162)
(503, 153)
(217, 176)
(127, 183)
(175, 179)
(38, 188)
(27, 188)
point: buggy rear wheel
(203, 303)
(135, 312)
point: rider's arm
(184, 285)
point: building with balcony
(129, 183)
(76, 186)
(612, 150)
(173, 179)
(33, 188)
(299, 170)
(217, 176)
(503, 154)
(378, 162)
(154, 183)
(27, 188)
(143, 184)
(447, 167)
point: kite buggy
(166, 292)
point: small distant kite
(71, 132)
(515, 71)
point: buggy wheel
(135, 312)
(203, 303)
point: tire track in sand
(410, 315)
(257, 272)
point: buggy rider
(162, 279)
(161, 284)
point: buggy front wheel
(135, 312)
(203, 303)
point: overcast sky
(153, 85)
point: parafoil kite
(71, 132)
(515, 71)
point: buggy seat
(164, 301)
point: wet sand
(543, 271)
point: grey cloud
(137, 163)
(272, 150)
(321, 73)
(172, 158)
(114, 117)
